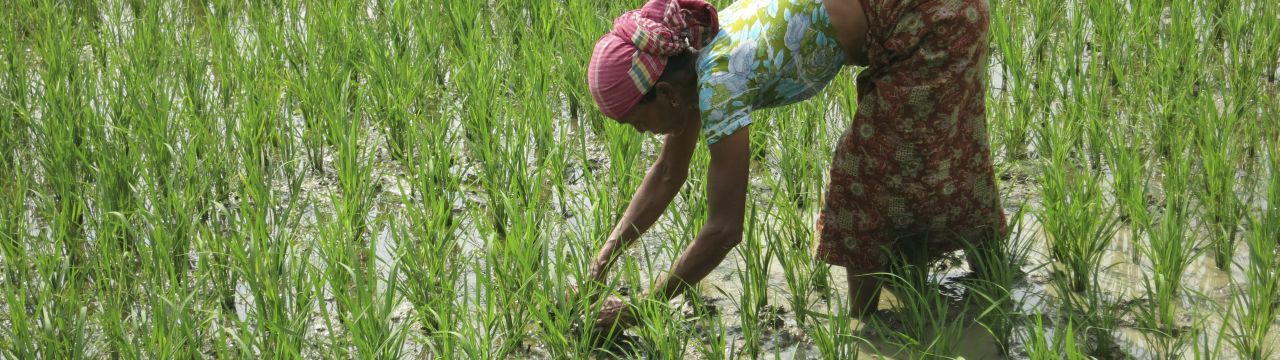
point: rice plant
(1170, 252)
(1255, 310)
(931, 325)
(997, 269)
(1058, 344)
(754, 300)
(835, 338)
(1080, 227)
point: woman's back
(768, 53)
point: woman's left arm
(660, 186)
(726, 204)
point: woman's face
(668, 112)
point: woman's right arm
(659, 187)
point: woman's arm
(660, 186)
(726, 198)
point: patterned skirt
(915, 165)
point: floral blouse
(768, 53)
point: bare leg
(864, 288)
(864, 293)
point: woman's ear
(667, 93)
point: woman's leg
(907, 266)
(864, 293)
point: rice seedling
(834, 337)
(1092, 94)
(15, 91)
(753, 303)
(711, 340)
(479, 333)
(14, 251)
(279, 279)
(18, 338)
(393, 77)
(1170, 252)
(1209, 344)
(789, 243)
(1179, 73)
(931, 325)
(1007, 36)
(663, 333)
(1039, 343)
(1131, 187)
(517, 264)
(1255, 310)
(431, 227)
(63, 163)
(1079, 225)
(1224, 209)
(1215, 127)
(1058, 344)
(997, 267)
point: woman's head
(642, 71)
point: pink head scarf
(629, 59)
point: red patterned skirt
(916, 163)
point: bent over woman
(913, 171)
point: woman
(912, 172)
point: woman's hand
(615, 315)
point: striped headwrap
(629, 59)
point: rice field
(430, 178)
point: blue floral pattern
(768, 53)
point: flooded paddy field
(430, 179)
